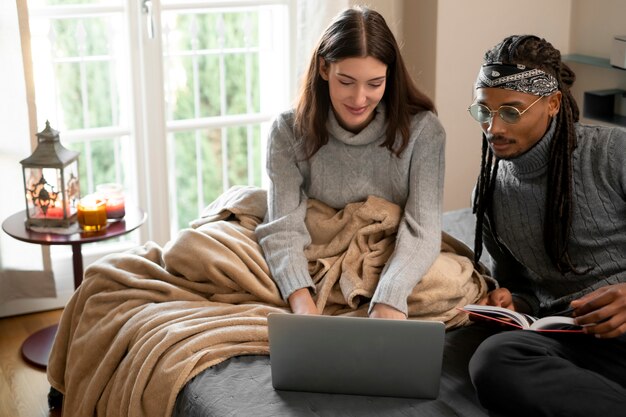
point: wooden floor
(23, 387)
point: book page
(557, 323)
(520, 319)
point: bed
(242, 386)
(140, 337)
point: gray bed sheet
(242, 386)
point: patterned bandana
(517, 78)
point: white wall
(16, 256)
(594, 23)
(420, 46)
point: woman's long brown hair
(358, 32)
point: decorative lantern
(51, 183)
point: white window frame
(155, 191)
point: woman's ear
(554, 103)
(323, 69)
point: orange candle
(92, 215)
(53, 212)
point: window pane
(241, 30)
(78, 62)
(183, 91)
(180, 89)
(102, 161)
(81, 37)
(244, 155)
(86, 97)
(212, 167)
(211, 63)
(186, 180)
(255, 91)
(197, 152)
(81, 72)
(199, 167)
(235, 84)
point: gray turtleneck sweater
(597, 240)
(349, 168)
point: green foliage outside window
(225, 55)
(225, 42)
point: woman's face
(356, 86)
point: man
(550, 203)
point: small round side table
(36, 348)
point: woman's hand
(603, 311)
(384, 311)
(301, 302)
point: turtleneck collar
(372, 132)
(535, 161)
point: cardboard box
(618, 52)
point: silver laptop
(350, 355)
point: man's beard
(499, 139)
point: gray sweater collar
(535, 161)
(372, 132)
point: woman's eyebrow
(382, 77)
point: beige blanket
(145, 322)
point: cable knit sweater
(598, 234)
(347, 169)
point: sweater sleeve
(283, 235)
(418, 240)
(508, 271)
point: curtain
(25, 269)
(313, 16)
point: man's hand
(384, 311)
(301, 302)
(603, 311)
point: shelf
(591, 60)
(605, 105)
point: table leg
(77, 260)
(36, 349)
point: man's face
(508, 140)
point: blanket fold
(146, 321)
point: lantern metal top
(49, 152)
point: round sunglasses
(510, 114)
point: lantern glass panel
(72, 187)
(43, 193)
(52, 195)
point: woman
(360, 128)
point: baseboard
(34, 305)
(64, 282)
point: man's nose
(496, 125)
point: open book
(523, 321)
